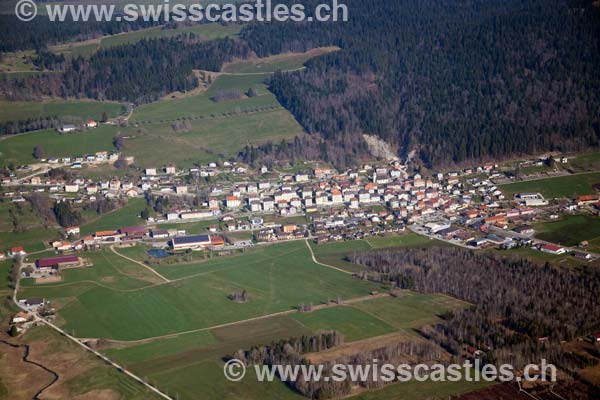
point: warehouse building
(190, 242)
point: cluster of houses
(69, 128)
(370, 200)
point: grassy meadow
(89, 47)
(201, 301)
(203, 106)
(19, 149)
(83, 109)
(558, 187)
(127, 215)
(117, 299)
(570, 230)
(279, 62)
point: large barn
(190, 242)
(57, 262)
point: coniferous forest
(444, 81)
(453, 80)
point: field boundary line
(312, 254)
(139, 263)
(86, 282)
(343, 303)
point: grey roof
(191, 239)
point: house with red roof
(553, 249)
(17, 251)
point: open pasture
(83, 109)
(558, 187)
(279, 62)
(19, 149)
(88, 47)
(201, 301)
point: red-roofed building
(57, 262)
(17, 251)
(133, 232)
(589, 199)
(217, 240)
(553, 249)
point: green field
(120, 218)
(280, 62)
(201, 301)
(202, 105)
(412, 311)
(214, 129)
(127, 307)
(406, 240)
(91, 377)
(570, 230)
(559, 187)
(335, 253)
(17, 61)
(19, 149)
(191, 363)
(414, 390)
(89, 47)
(353, 323)
(208, 140)
(23, 110)
(31, 230)
(583, 162)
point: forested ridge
(139, 72)
(454, 80)
(18, 35)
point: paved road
(87, 348)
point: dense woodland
(521, 311)
(17, 35)
(454, 80)
(138, 73)
(451, 80)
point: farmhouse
(589, 199)
(524, 230)
(107, 236)
(553, 249)
(57, 262)
(160, 234)
(17, 251)
(190, 242)
(73, 230)
(34, 303)
(133, 232)
(90, 123)
(67, 128)
(20, 317)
